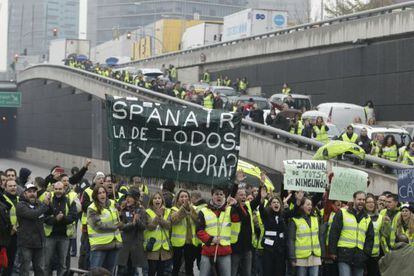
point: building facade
(32, 24)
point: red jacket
(208, 249)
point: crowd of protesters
(238, 230)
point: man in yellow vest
(10, 195)
(214, 231)
(59, 229)
(389, 226)
(206, 77)
(349, 135)
(208, 99)
(242, 234)
(351, 237)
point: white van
(343, 114)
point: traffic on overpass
(130, 169)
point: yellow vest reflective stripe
(353, 139)
(390, 153)
(84, 219)
(69, 228)
(179, 231)
(161, 236)
(353, 233)
(377, 226)
(218, 226)
(242, 85)
(307, 238)
(321, 134)
(257, 242)
(108, 216)
(13, 217)
(393, 233)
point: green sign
(305, 175)
(346, 182)
(10, 99)
(172, 142)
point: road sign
(10, 99)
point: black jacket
(257, 116)
(352, 256)
(30, 217)
(365, 143)
(59, 205)
(5, 223)
(275, 230)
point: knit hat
(98, 175)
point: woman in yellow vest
(303, 240)
(103, 230)
(376, 218)
(405, 223)
(408, 157)
(157, 235)
(320, 131)
(183, 233)
(274, 237)
(389, 149)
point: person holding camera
(157, 235)
(134, 218)
(104, 228)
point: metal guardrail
(298, 28)
(156, 96)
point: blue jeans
(56, 248)
(223, 265)
(241, 262)
(104, 258)
(307, 270)
(33, 256)
(347, 270)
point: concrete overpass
(343, 59)
(261, 149)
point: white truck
(201, 34)
(60, 49)
(251, 22)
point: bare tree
(338, 8)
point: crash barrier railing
(298, 28)
(160, 97)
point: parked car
(409, 129)
(402, 137)
(200, 87)
(300, 101)
(343, 114)
(261, 102)
(224, 91)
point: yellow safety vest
(13, 217)
(242, 85)
(227, 82)
(198, 208)
(307, 238)
(109, 216)
(257, 242)
(286, 91)
(69, 228)
(208, 102)
(299, 129)
(236, 226)
(377, 226)
(179, 231)
(206, 77)
(218, 226)
(330, 220)
(321, 134)
(408, 159)
(346, 139)
(89, 192)
(353, 233)
(390, 153)
(161, 236)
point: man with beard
(58, 229)
(351, 237)
(30, 234)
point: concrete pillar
(96, 135)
